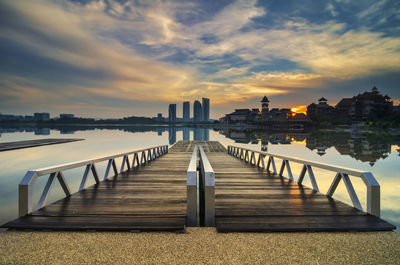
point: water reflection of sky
(377, 153)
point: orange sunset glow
(299, 109)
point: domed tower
(264, 105)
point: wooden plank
(100, 223)
(302, 224)
(250, 199)
(8, 146)
(151, 197)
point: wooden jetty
(34, 143)
(149, 197)
(236, 193)
(248, 199)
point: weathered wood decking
(34, 143)
(248, 199)
(153, 198)
(149, 198)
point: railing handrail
(344, 170)
(342, 173)
(192, 198)
(206, 167)
(208, 176)
(26, 184)
(66, 166)
(192, 168)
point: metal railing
(208, 182)
(191, 208)
(373, 188)
(139, 157)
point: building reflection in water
(186, 134)
(360, 145)
(199, 134)
(366, 147)
(42, 131)
(172, 135)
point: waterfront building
(366, 106)
(41, 116)
(197, 111)
(160, 117)
(66, 116)
(186, 111)
(6, 117)
(238, 116)
(370, 105)
(29, 118)
(344, 106)
(172, 113)
(206, 109)
(321, 111)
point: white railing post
(25, 193)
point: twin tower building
(201, 111)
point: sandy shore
(199, 245)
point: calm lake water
(375, 152)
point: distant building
(321, 111)
(368, 105)
(238, 116)
(29, 118)
(277, 114)
(160, 117)
(186, 111)
(67, 116)
(41, 116)
(197, 111)
(172, 113)
(6, 117)
(344, 106)
(206, 109)
(254, 113)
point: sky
(116, 58)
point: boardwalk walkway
(153, 197)
(248, 199)
(150, 198)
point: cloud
(168, 51)
(331, 9)
(328, 49)
(56, 34)
(372, 9)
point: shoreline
(199, 245)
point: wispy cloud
(161, 51)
